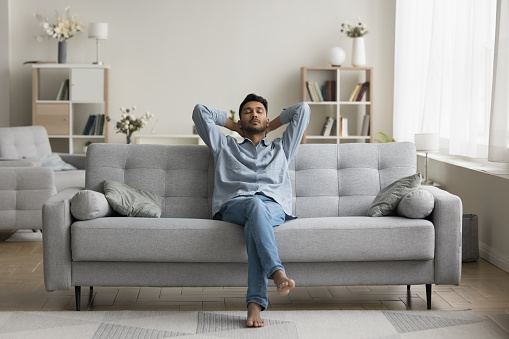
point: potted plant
(85, 146)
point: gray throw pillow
(389, 197)
(417, 204)
(132, 202)
(87, 204)
(53, 161)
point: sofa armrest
(19, 163)
(77, 160)
(56, 236)
(447, 217)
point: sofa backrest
(328, 180)
(343, 180)
(25, 141)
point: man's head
(253, 114)
(254, 97)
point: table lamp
(427, 143)
(98, 31)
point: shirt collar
(264, 141)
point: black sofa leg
(77, 293)
(408, 287)
(428, 295)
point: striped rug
(231, 324)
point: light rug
(231, 324)
(25, 235)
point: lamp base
(97, 63)
(427, 183)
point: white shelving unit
(346, 79)
(65, 117)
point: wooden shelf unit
(65, 118)
(346, 79)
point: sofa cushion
(417, 204)
(87, 204)
(389, 197)
(300, 240)
(132, 202)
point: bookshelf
(339, 113)
(64, 97)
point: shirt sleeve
(206, 120)
(297, 116)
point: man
(252, 186)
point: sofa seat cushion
(300, 240)
(356, 239)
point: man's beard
(254, 130)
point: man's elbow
(304, 109)
(197, 111)
(304, 106)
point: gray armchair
(24, 184)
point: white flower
(63, 29)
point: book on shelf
(359, 91)
(365, 125)
(344, 126)
(327, 126)
(362, 91)
(311, 91)
(88, 125)
(94, 125)
(329, 90)
(318, 91)
(63, 92)
(334, 128)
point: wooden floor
(484, 288)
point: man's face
(253, 117)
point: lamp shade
(98, 30)
(426, 142)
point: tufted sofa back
(328, 180)
(25, 141)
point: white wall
(4, 64)
(166, 56)
(482, 194)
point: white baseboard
(493, 256)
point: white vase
(337, 56)
(358, 52)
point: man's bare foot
(283, 283)
(254, 318)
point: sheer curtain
(499, 125)
(443, 72)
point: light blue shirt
(246, 169)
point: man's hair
(254, 97)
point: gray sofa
(24, 184)
(333, 241)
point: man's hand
(239, 129)
(273, 125)
(234, 126)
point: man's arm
(274, 125)
(297, 116)
(206, 121)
